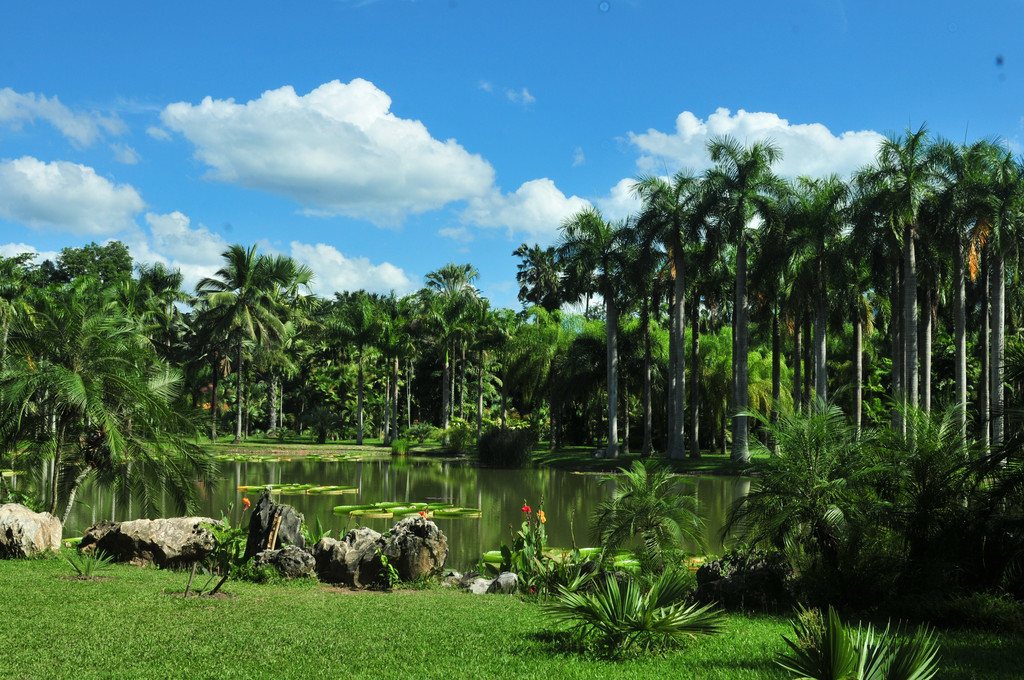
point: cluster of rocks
(414, 547)
(757, 579)
(504, 583)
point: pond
(568, 498)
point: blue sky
(377, 141)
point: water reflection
(568, 498)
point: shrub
(88, 566)
(421, 432)
(399, 447)
(824, 648)
(458, 437)
(511, 448)
(622, 614)
(323, 422)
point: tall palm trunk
(272, 404)
(213, 397)
(910, 319)
(986, 354)
(998, 302)
(961, 335)
(480, 396)
(408, 392)
(695, 383)
(740, 396)
(677, 404)
(798, 402)
(776, 364)
(898, 358)
(611, 339)
(238, 396)
(858, 364)
(645, 449)
(820, 365)
(394, 398)
(927, 324)
(359, 399)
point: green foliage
(399, 447)
(458, 438)
(88, 565)
(312, 536)
(388, 578)
(506, 448)
(323, 422)
(620, 615)
(645, 505)
(421, 432)
(827, 650)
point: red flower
(423, 513)
(245, 504)
(526, 509)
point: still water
(568, 499)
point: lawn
(133, 626)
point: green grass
(581, 458)
(130, 627)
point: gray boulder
(24, 532)
(506, 584)
(291, 561)
(415, 548)
(261, 524)
(479, 585)
(172, 543)
(353, 561)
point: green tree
(745, 190)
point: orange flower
(423, 514)
(245, 504)
(541, 517)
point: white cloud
(523, 96)
(65, 196)
(486, 86)
(336, 273)
(125, 154)
(337, 150)
(577, 157)
(38, 256)
(807, 149)
(536, 208)
(620, 201)
(158, 133)
(81, 128)
(456, 234)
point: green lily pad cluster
(389, 509)
(622, 560)
(299, 489)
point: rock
(479, 585)
(353, 561)
(415, 548)
(24, 532)
(506, 583)
(170, 543)
(289, 532)
(709, 571)
(291, 561)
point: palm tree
(906, 173)
(84, 389)
(646, 504)
(590, 244)
(539, 277)
(448, 299)
(744, 189)
(355, 323)
(672, 215)
(243, 303)
(817, 216)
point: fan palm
(621, 615)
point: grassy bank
(575, 458)
(130, 626)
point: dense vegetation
(863, 334)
